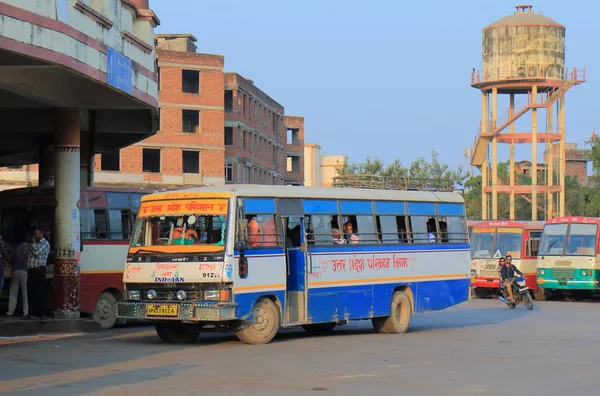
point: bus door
(296, 260)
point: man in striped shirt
(37, 256)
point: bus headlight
(133, 295)
(151, 294)
(542, 272)
(584, 273)
(181, 295)
(211, 295)
(473, 272)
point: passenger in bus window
(253, 232)
(337, 237)
(431, 231)
(349, 234)
(269, 232)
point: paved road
(480, 347)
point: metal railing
(393, 183)
(526, 72)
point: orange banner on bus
(216, 207)
(483, 230)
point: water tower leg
(494, 156)
(511, 167)
(561, 156)
(550, 160)
(534, 159)
(484, 167)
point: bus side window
(119, 224)
(421, 228)
(388, 231)
(93, 224)
(262, 231)
(319, 228)
(455, 229)
(443, 229)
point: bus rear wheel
(176, 333)
(399, 318)
(264, 326)
(105, 312)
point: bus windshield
(181, 222)
(580, 240)
(191, 229)
(496, 243)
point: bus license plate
(162, 310)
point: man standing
(19, 279)
(37, 257)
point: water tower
(523, 59)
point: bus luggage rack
(393, 183)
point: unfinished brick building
(215, 128)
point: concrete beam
(126, 121)
(45, 84)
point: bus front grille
(567, 273)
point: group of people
(27, 261)
(349, 236)
(507, 272)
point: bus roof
(526, 224)
(574, 219)
(249, 190)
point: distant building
(215, 128)
(319, 170)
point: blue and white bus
(252, 259)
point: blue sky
(379, 78)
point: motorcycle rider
(507, 274)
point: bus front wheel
(176, 333)
(399, 318)
(264, 325)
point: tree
(420, 169)
(594, 142)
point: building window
(151, 160)
(190, 161)
(228, 136)
(190, 81)
(245, 102)
(293, 136)
(228, 173)
(110, 161)
(293, 164)
(190, 120)
(228, 100)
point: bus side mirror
(243, 266)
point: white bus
(252, 259)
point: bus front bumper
(198, 311)
(567, 284)
(487, 283)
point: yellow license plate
(162, 310)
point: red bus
(107, 217)
(491, 240)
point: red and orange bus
(491, 240)
(107, 217)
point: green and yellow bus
(568, 260)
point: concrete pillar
(84, 159)
(46, 166)
(511, 160)
(87, 158)
(534, 139)
(66, 215)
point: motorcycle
(520, 294)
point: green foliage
(594, 142)
(420, 169)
